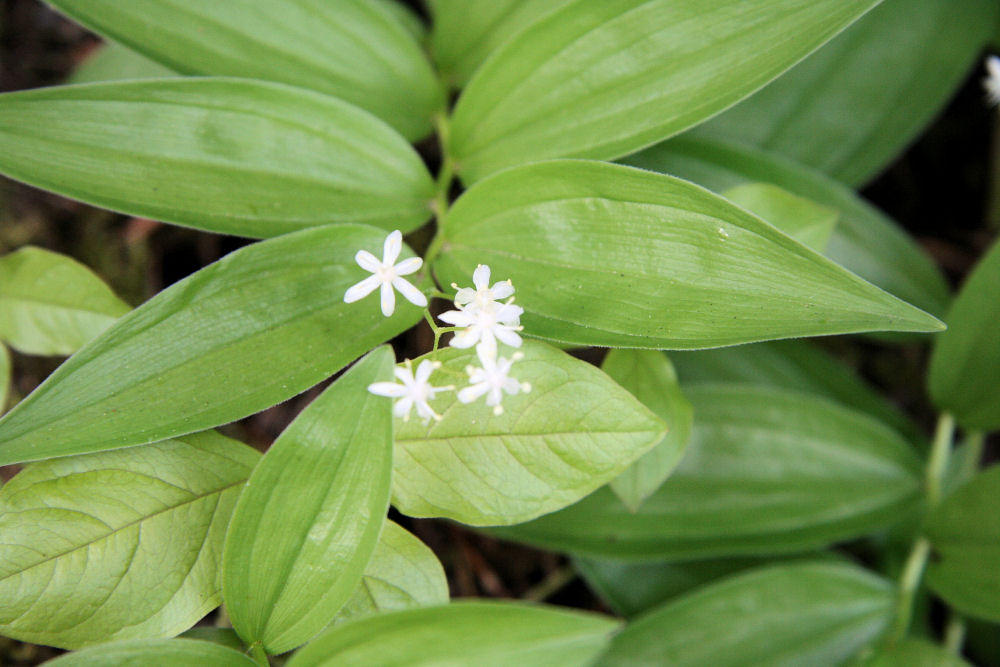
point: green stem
(937, 464)
(954, 634)
(550, 585)
(259, 655)
(442, 186)
(974, 444)
(438, 331)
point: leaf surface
(613, 256)
(155, 653)
(52, 305)
(574, 431)
(5, 377)
(766, 472)
(245, 333)
(912, 652)
(225, 155)
(118, 545)
(351, 49)
(807, 222)
(115, 62)
(601, 80)
(307, 523)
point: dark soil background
(938, 191)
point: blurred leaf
(307, 523)
(964, 531)
(966, 359)
(156, 653)
(650, 377)
(466, 32)
(805, 221)
(911, 653)
(118, 545)
(114, 62)
(487, 634)
(796, 365)
(224, 155)
(608, 255)
(601, 80)
(5, 377)
(853, 106)
(51, 304)
(223, 636)
(575, 431)
(767, 472)
(402, 573)
(812, 614)
(864, 241)
(351, 49)
(405, 17)
(215, 347)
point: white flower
(992, 81)
(483, 318)
(387, 274)
(492, 379)
(414, 390)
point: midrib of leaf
(110, 533)
(404, 441)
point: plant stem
(954, 634)
(974, 443)
(913, 570)
(259, 655)
(551, 584)
(438, 331)
(442, 188)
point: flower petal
(361, 290)
(411, 293)
(402, 407)
(390, 389)
(481, 277)
(404, 374)
(408, 266)
(469, 394)
(507, 336)
(458, 318)
(388, 299)
(502, 290)
(392, 247)
(464, 339)
(424, 371)
(464, 296)
(509, 314)
(367, 261)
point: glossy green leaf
(307, 523)
(239, 157)
(114, 62)
(864, 241)
(601, 80)
(911, 653)
(805, 221)
(964, 531)
(118, 545)
(575, 431)
(853, 106)
(155, 653)
(350, 49)
(51, 304)
(215, 347)
(486, 634)
(466, 32)
(767, 472)
(5, 377)
(650, 377)
(796, 365)
(814, 614)
(402, 573)
(608, 255)
(966, 360)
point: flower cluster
(484, 317)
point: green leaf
(402, 573)
(5, 377)
(51, 304)
(650, 377)
(351, 49)
(223, 636)
(118, 545)
(405, 17)
(966, 360)
(853, 106)
(767, 471)
(911, 653)
(805, 221)
(238, 157)
(487, 634)
(796, 365)
(575, 431)
(601, 80)
(864, 241)
(608, 255)
(804, 614)
(307, 523)
(156, 653)
(114, 62)
(466, 32)
(215, 347)
(964, 531)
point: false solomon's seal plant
(700, 501)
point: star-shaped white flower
(992, 81)
(387, 274)
(492, 379)
(415, 390)
(484, 319)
